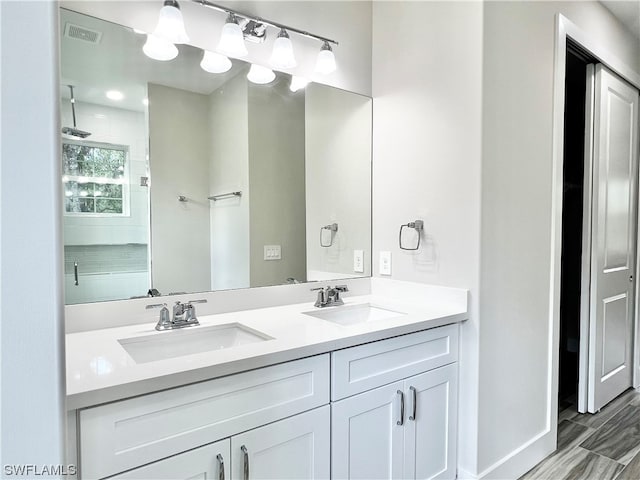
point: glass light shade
(232, 40)
(214, 62)
(298, 83)
(326, 62)
(282, 55)
(159, 48)
(170, 24)
(260, 75)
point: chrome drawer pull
(415, 399)
(220, 467)
(245, 463)
(400, 421)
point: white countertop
(99, 370)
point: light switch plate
(358, 261)
(385, 263)
(272, 252)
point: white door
(430, 430)
(205, 463)
(294, 448)
(613, 238)
(366, 440)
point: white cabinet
(406, 429)
(393, 415)
(366, 442)
(209, 462)
(294, 448)
(430, 428)
(123, 435)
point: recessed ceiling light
(115, 95)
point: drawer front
(209, 462)
(123, 435)
(365, 367)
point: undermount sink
(177, 343)
(355, 314)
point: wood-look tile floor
(604, 446)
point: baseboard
(519, 461)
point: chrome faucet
(329, 296)
(184, 315)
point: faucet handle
(341, 288)
(155, 305)
(321, 300)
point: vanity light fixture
(171, 24)
(260, 75)
(232, 39)
(213, 62)
(282, 55)
(326, 62)
(298, 83)
(159, 48)
(238, 26)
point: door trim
(565, 29)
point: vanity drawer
(369, 366)
(125, 434)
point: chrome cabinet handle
(414, 394)
(220, 467)
(245, 463)
(75, 272)
(400, 421)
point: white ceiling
(117, 63)
(627, 11)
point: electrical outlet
(385, 263)
(272, 252)
(358, 261)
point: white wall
(349, 23)
(338, 180)
(32, 349)
(179, 164)
(516, 401)
(229, 172)
(121, 127)
(426, 159)
(276, 181)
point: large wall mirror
(191, 181)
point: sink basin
(178, 343)
(354, 314)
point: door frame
(565, 29)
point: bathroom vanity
(313, 395)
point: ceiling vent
(82, 33)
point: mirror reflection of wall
(291, 162)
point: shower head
(73, 131)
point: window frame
(126, 182)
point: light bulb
(260, 75)
(232, 39)
(170, 23)
(282, 55)
(298, 83)
(159, 49)
(326, 62)
(214, 62)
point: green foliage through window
(94, 179)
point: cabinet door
(294, 448)
(366, 440)
(431, 426)
(204, 463)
